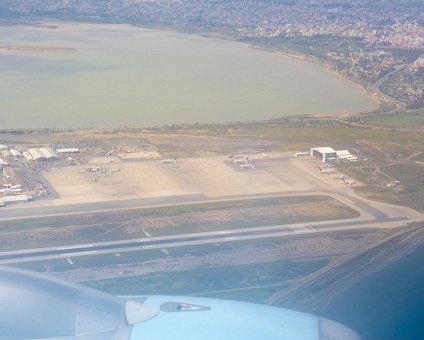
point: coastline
(222, 36)
(35, 49)
(297, 56)
(46, 24)
(329, 69)
(304, 58)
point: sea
(92, 75)
(388, 305)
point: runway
(29, 255)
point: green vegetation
(398, 183)
(419, 157)
(409, 119)
(411, 176)
(316, 133)
(209, 280)
(171, 220)
(380, 150)
(57, 222)
(89, 262)
(59, 265)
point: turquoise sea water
(121, 75)
(389, 305)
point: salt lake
(87, 75)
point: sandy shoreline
(35, 49)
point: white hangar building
(325, 154)
(42, 154)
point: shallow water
(126, 76)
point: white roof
(324, 149)
(343, 153)
(327, 170)
(27, 155)
(67, 150)
(38, 153)
(15, 152)
(15, 198)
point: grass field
(411, 176)
(211, 280)
(382, 151)
(173, 220)
(89, 262)
(410, 119)
(313, 135)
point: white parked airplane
(248, 165)
(239, 161)
(169, 161)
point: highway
(375, 88)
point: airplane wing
(34, 306)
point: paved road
(33, 211)
(370, 217)
(375, 88)
(172, 241)
(19, 212)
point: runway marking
(303, 228)
(81, 253)
(231, 238)
(75, 247)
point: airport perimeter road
(162, 242)
(32, 211)
(378, 211)
(201, 180)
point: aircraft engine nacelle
(35, 306)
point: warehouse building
(42, 154)
(15, 199)
(325, 154)
(15, 153)
(346, 156)
(67, 151)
